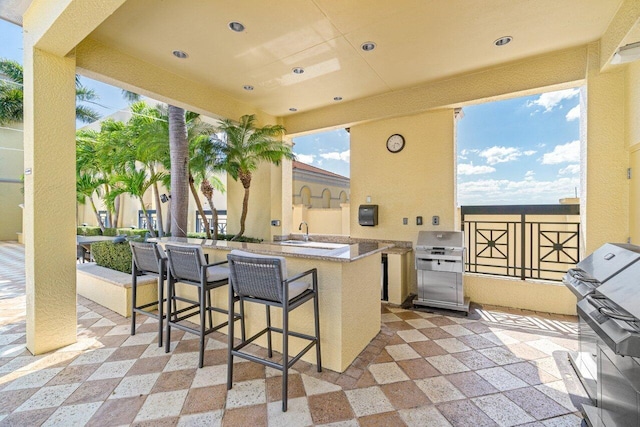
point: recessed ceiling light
(368, 46)
(247, 87)
(293, 109)
(236, 26)
(503, 40)
(180, 54)
(298, 70)
(337, 98)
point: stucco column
(605, 187)
(50, 199)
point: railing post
(523, 246)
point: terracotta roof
(309, 168)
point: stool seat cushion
(297, 288)
(217, 272)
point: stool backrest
(257, 276)
(185, 262)
(147, 256)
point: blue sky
(518, 151)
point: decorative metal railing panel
(525, 241)
(222, 221)
(142, 219)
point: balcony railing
(525, 241)
(222, 221)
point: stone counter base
(112, 289)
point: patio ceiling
(417, 42)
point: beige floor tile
(447, 364)
(32, 379)
(162, 405)
(247, 393)
(368, 401)
(135, 385)
(208, 419)
(456, 330)
(412, 335)
(76, 415)
(502, 410)
(401, 352)
(297, 415)
(501, 378)
(112, 370)
(423, 416)
(48, 397)
(93, 356)
(385, 373)
(439, 389)
(315, 386)
(452, 345)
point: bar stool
(148, 259)
(263, 280)
(187, 264)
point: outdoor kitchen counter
(349, 295)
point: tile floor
(498, 367)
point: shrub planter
(112, 289)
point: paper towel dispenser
(368, 215)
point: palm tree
(12, 95)
(247, 146)
(86, 186)
(136, 182)
(179, 154)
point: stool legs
(269, 348)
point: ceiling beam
(531, 75)
(58, 26)
(100, 62)
(627, 17)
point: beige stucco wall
(317, 189)
(11, 169)
(632, 110)
(418, 181)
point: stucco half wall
(540, 296)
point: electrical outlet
(418, 220)
(405, 221)
(435, 220)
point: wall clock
(395, 143)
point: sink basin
(315, 245)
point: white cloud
(573, 114)
(470, 169)
(497, 154)
(529, 175)
(305, 158)
(566, 153)
(550, 100)
(345, 156)
(570, 170)
(529, 152)
(527, 191)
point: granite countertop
(337, 253)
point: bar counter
(349, 278)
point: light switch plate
(405, 221)
(418, 220)
(435, 220)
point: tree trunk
(214, 214)
(168, 227)
(95, 211)
(116, 207)
(205, 220)
(245, 178)
(158, 205)
(109, 213)
(179, 151)
(146, 215)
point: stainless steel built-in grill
(609, 314)
(603, 264)
(440, 259)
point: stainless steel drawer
(438, 265)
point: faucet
(306, 235)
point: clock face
(395, 143)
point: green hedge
(88, 231)
(116, 256)
(141, 232)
